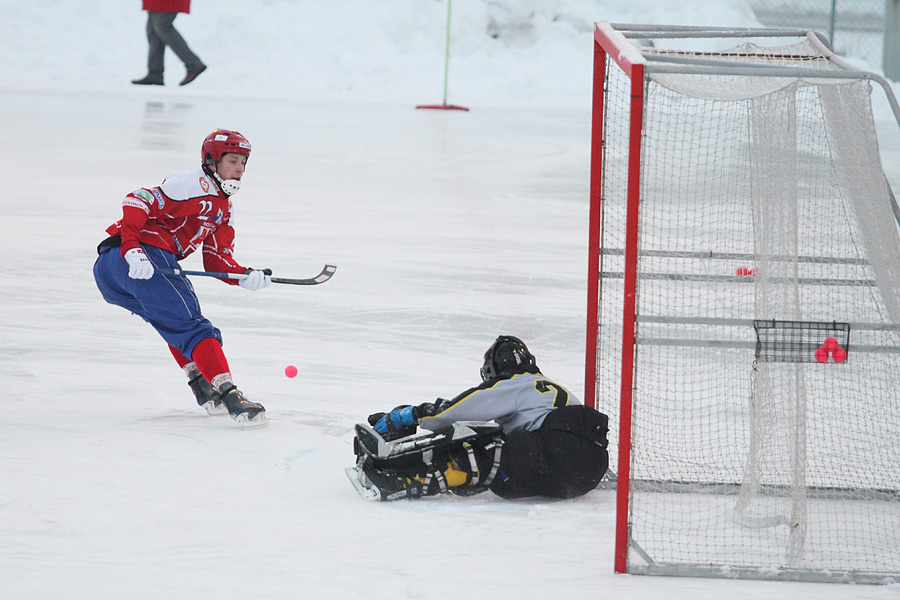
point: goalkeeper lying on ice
(517, 433)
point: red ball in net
(830, 344)
(839, 355)
(821, 355)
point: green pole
(447, 51)
(444, 105)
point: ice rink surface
(448, 229)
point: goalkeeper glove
(401, 419)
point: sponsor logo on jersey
(159, 197)
(144, 195)
(204, 185)
(135, 203)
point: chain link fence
(855, 27)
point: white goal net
(744, 324)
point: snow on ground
(447, 228)
(502, 50)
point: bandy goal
(744, 306)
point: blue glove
(400, 417)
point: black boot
(249, 414)
(206, 395)
(149, 80)
(192, 74)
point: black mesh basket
(802, 341)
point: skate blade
(215, 411)
(362, 484)
(257, 422)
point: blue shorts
(167, 302)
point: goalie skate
(375, 485)
(363, 485)
(412, 467)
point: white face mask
(229, 186)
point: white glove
(256, 280)
(139, 266)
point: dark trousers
(564, 458)
(161, 32)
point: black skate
(249, 414)
(207, 396)
(373, 484)
(414, 466)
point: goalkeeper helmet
(506, 354)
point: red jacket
(170, 6)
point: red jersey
(180, 215)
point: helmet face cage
(507, 352)
(219, 142)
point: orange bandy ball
(290, 371)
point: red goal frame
(605, 42)
(612, 49)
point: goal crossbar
(618, 34)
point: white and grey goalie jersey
(512, 400)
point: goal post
(743, 317)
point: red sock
(179, 357)
(210, 359)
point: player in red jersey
(162, 225)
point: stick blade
(326, 274)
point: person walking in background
(161, 32)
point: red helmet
(222, 141)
